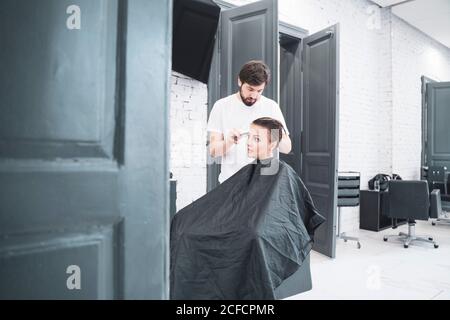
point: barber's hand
(233, 136)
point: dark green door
(319, 141)
(83, 149)
(438, 124)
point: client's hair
(274, 126)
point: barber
(230, 119)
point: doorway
(436, 130)
(435, 123)
(291, 90)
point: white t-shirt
(230, 112)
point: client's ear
(273, 145)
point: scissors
(245, 133)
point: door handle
(301, 142)
(301, 153)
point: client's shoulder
(290, 172)
(286, 166)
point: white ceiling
(387, 3)
(430, 16)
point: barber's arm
(220, 145)
(285, 145)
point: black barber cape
(242, 239)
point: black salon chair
(448, 181)
(410, 200)
(440, 216)
(437, 178)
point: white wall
(381, 61)
(188, 116)
(414, 54)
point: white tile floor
(384, 270)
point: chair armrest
(435, 204)
(446, 182)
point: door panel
(424, 81)
(76, 188)
(74, 62)
(36, 265)
(320, 129)
(213, 165)
(438, 136)
(249, 32)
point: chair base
(441, 221)
(344, 237)
(444, 219)
(410, 237)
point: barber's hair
(274, 126)
(255, 73)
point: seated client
(245, 237)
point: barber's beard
(247, 101)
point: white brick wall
(381, 61)
(188, 116)
(414, 54)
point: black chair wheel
(436, 246)
(385, 239)
(345, 240)
(405, 246)
(430, 238)
(359, 245)
(433, 223)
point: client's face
(258, 144)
